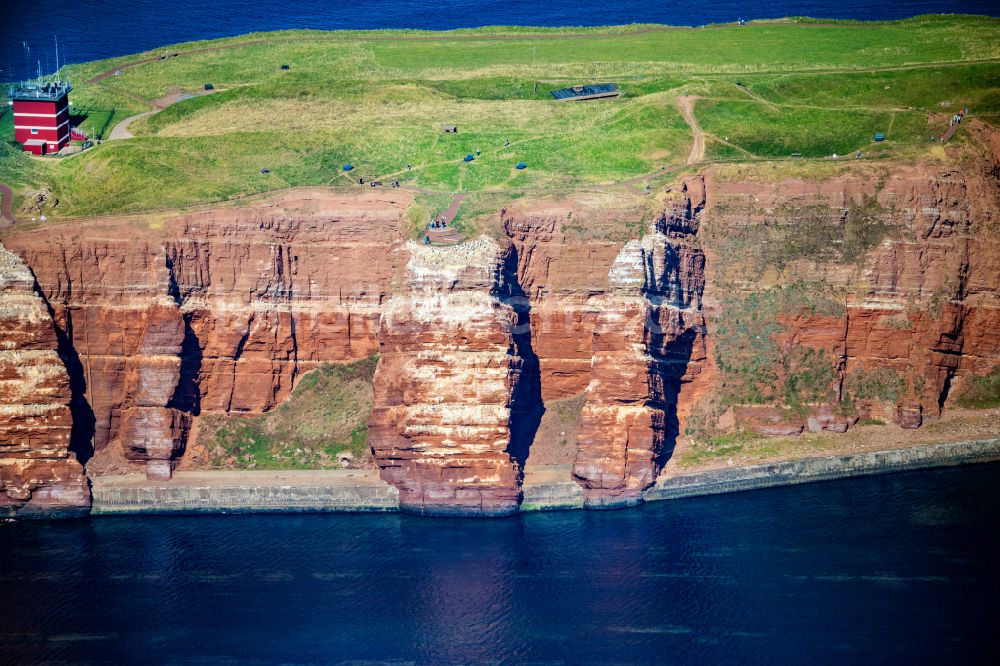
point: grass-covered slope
(378, 100)
(325, 418)
(980, 392)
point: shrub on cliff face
(745, 350)
(981, 392)
(755, 369)
(884, 384)
(809, 377)
(325, 418)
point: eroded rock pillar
(441, 427)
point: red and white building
(41, 116)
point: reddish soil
(448, 235)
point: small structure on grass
(209, 86)
(521, 165)
(594, 91)
(468, 158)
(41, 116)
(879, 136)
(348, 167)
(449, 129)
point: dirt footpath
(686, 104)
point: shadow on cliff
(81, 439)
(526, 405)
(187, 393)
(666, 376)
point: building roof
(36, 142)
(587, 92)
(40, 92)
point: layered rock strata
(867, 293)
(911, 266)
(451, 388)
(560, 273)
(649, 328)
(212, 312)
(38, 472)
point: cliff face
(271, 291)
(219, 311)
(38, 472)
(879, 291)
(618, 322)
(744, 299)
(559, 275)
(452, 384)
(648, 331)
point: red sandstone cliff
(38, 472)
(917, 307)
(647, 343)
(447, 384)
(218, 311)
(774, 304)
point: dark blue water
(894, 569)
(107, 28)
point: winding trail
(120, 131)
(452, 210)
(686, 104)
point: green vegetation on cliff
(378, 100)
(755, 367)
(980, 392)
(324, 420)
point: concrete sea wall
(549, 488)
(245, 492)
(828, 468)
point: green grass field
(378, 100)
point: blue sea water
(880, 570)
(107, 28)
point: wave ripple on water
(882, 569)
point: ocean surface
(891, 569)
(107, 28)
